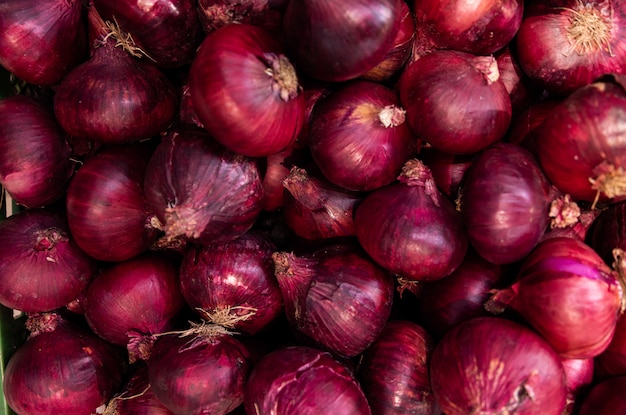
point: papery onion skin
(41, 266)
(136, 397)
(581, 146)
(233, 283)
(494, 365)
(359, 137)
(393, 371)
(455, 101)
(35, 164)
(300, 380)
(35, 37)
(246, 91)
(566, 44)
(107, 210)
(410, 228)
(605, 398)
(335, 42)
(200, 191)
(608, 231)
(505, 203)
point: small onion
(136, 397)
(448, 169)
(605, 398)
(491, 365)
(579, 377)
(277, 168)
(300, 380)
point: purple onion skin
(169, 31)
(608, 231)
(217, 13)
(612, 361)
(41, 266)
(505, 203)
(605, 398)
(107, 210)
(200, 191)
(136, 397)
(35, 164)
(492, 365)
(393, 371)
(35, 37)
(236, 277)
(67, 370)
(300, 380)
(448, 169)
(199, 375)
(579, 378)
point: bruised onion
(337, 298)
(41, 266)
(35, 163)
(605, 398)
(246, 91)
(410, 228)
(359, 137)
(491, 365)
(393, 371)
(200, 191)
(233, 284)
(455, 101)
(300, 380)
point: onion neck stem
(285, 79)
(590, 27)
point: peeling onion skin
(494, 366)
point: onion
(61, 369)
(568, 294)
(233, 284)
(246, 91)
(168, 31)
(359, 137)
(130, 301)
(35, 38)
(136, 397)
(300, 380)
(336, 298)
(337, 41)
(35, 163)
(579, 375)
(277, 168)
(522, 91)
(481, 27)
(612, 361)
(566, 44)
(107, 210)
(455, 101)
(203, 370)
(605, 398)
(393, 371)
(410, 228)
(41, 267)
(490, 365)
(608, 231)
(505, 203)
(523, 130)
(578, 143)
(200, 191)
(113, 97)
(448, 169)
(314, 208)
(218, 13)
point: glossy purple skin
(137, 398)
(505, 203)
(494, 365)
(605, 398)
(299, 380)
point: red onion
(277, 168)
(337, 41)
(337, 298)
(608, 231)
(317, 209)
(36, 38)
(505, 203)
(217, 13)
(605, 398)
(136, 397)
(300, 380)
(41, 267)
(200, 191)
(522, 91)
(568, 294)
(202, 371)
(61, 369)
(130, 301)
(359, 137)
(455, 101)
(393, 371)
(577, 146)
(491, 365)
(233, 284)
(566, 44)
(410, 228)
(168, 31)
(578, 379)
(612, 361)
(523, 130)
(246, 91)
(107, 209)
(35, 161)
(448, 169)
(113, 97)
(481, 27)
